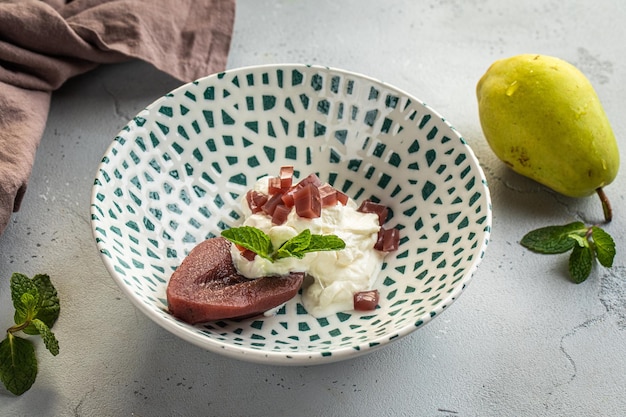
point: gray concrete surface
(521, 341)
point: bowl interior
(175, 174)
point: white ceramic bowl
(174, 176)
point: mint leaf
(259, 242)
(295, 246)
(325, 243)
(578, 239)
(586, 244)
(553, 239)
(20, 286)
(250, 238)
(49, 307)
(18, 364)
(580, 263)
(52, 344)
(30, 305)
(36, 310)
(604, 245)
(306, 242)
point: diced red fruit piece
(255, 200)
(328, 195)
(273, 202)
(392, 240)
(342, 198)
(369, 206)
(282, 193)
(366, 300)
(287, 199)
(307, 201)
(311, 179)
(280, 214)
(283, 182)
(388, 240)
(288, 195)
(273, 186)
(246, 253)
(286, 177)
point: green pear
(542, 117)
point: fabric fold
(45, 43)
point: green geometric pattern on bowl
(174, 176)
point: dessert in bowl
(176, 175)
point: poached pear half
(542, 117)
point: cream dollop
(334, 275)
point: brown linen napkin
(43, 43)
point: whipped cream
(334, 276)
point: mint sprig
(36, 310)
(259, 242)
(587, 244)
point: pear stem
(606, 205)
